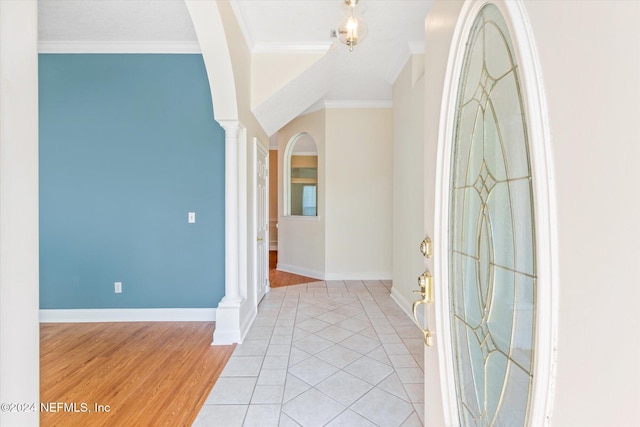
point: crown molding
(358, 104)
(241, 17)
(276, 47)
(240, 12)
(118, 47)
(316, 106)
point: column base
(228, 329)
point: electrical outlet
(117, 287)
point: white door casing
(261, 266)
(534, 106)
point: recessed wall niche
(301, 177)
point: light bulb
(352, 24)
(351, 30)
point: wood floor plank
(279, 278)
(149, 374)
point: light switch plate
(192, 217)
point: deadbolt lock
(426, 247)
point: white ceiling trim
(240, 12)
(358, 104)
(241, 18)
(317, 106)
(274, 47)
(118, 47)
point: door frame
(259, 148)
(545, 221)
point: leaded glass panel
(492, 237)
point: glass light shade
(351, 31)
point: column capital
(231, 127)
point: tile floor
(323, 354)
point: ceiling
(361, 77)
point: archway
(207, 23)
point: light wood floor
(280, 278)
(150, 374)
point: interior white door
(262, 221)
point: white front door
(262, 222)
(488, 281)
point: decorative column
(232, 290)
(228, 312)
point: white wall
(408, 180)
(590, 63)
(358, 194)
(301, 240)
(351, 238)
(590, 55)
(19, 327)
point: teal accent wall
(129, 146)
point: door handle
(260, 239)
(425, 283)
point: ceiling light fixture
(351, 30)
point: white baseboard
(358, 276)
(300, 271)
(402, 302)
(321, 275)
(246, 325)
(128, 315)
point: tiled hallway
(323, 354)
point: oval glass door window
(492, 237)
